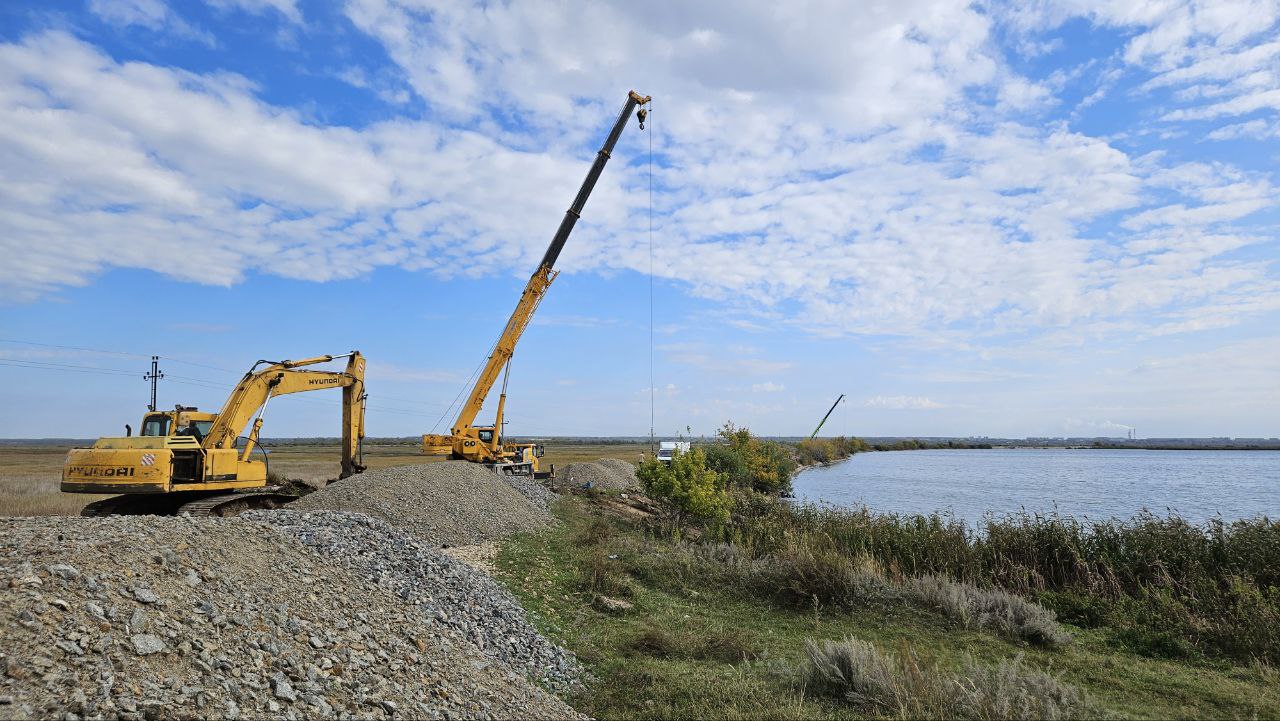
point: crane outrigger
(484, 444)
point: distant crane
(824, 418)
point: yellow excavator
(185, 461)
(484, 444)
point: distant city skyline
(1012, 220)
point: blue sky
(971, 219)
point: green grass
(665, 658)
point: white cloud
(287, 8)
(1085, 427)
(1256, 129)
(767, 387)
(912, 403)
(887, 198)
(154, 15)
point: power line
(42, 365)
(114, 352)
(72, 347)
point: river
(1096, 484)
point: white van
(667, 449)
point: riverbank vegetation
(738, 603)
(712, 628)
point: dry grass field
(29, 475)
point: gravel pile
(451, 503)
(145, 617)
(536, 493)
(450, 593)
(609, 474)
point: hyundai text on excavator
(193, 462)
(484, 444)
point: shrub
(974, 607)
(812, 451)
(768, 464)
(810, 571)
(687, 484)
(857, 672)
(1008, 691)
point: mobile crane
(185, 461)
(484, 444)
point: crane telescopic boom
(824, 418)
(483, 444)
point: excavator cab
(181, 421)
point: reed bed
(1168, 587)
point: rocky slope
(290, 615)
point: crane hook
(642, 114)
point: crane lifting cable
(651, 374)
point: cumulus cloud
(768, 387)
(913, 192)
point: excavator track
(233, 504)
(133, 505)
(202, 505)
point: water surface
(1093, 483)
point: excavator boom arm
(277, 379)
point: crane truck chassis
(185, 461)
(484, 444)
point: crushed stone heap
(451, 593)
(609, 474)
(147, 617)
(451, 503)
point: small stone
(145, 644)
(145, 595)
(138, 621)
(388, 706)
(59, 603)
(192, 578)
(62, 570)
(6, 700)
(284, 690)
(94, 610)
(316, 642)
(71, 647)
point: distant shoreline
(926, 442)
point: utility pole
(155, 375)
